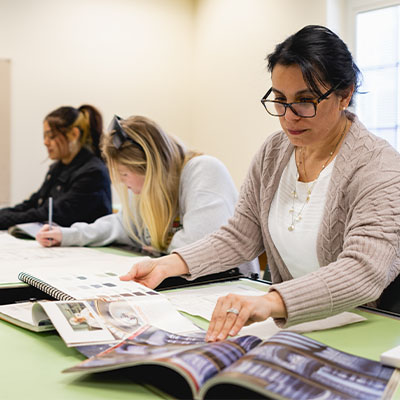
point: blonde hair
(160, 158)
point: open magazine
(286, 366)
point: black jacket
(81, 193)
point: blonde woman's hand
(234, 311)
(153, 271)
(49, 237)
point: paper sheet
(201, 302)
(267, 328)
(18, 254)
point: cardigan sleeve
(238, 241)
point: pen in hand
(50, 214)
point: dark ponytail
(86, 118)
(95, 127)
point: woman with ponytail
(170, 196)
(78, 180)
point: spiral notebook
(89, 280)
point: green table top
(31, 369)
(32, 362)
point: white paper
(19, 254)
(202, 300)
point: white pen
(50, 212)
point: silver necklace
(297, 215)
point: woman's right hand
(153, 271)
(49, 237)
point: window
(377, 54)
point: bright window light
(378, 57)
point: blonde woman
(170, 196)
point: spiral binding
(44, 287)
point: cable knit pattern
(358, 241)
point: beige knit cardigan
(358, 241)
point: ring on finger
(233, 311)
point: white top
(298, 248)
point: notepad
(28, 230)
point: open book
(286, 366)
(27, 315)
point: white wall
(195, 67)
(5, 98)
(233, 37)
(123, 56)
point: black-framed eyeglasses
(119, 136)
(303, 109)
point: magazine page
(293, 366)
(184, 358)
(102, 320)
(144, 352)
(202, 363)
(77, 323)
(146, 344)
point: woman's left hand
(234, 311)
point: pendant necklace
(297, 215)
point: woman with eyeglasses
(78, 181)
(170, 196)
(322, 198)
